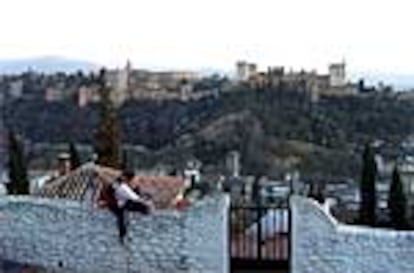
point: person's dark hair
(128, 174)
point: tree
(108, 135)
(367, 187)
(361, 85)
(397, 202)
(125, 161)
(256, 198)
(316, 192)
(19, 182)
(74, 156)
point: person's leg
(138, 207)
(119, 213)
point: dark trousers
(120, 214)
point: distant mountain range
(53, 64)
(48, 65)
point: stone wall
(69, 236)
(321, 244)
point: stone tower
(337, 74)
(122, 84)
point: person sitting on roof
(127, 199)
(145, 195)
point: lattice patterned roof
(163, 189)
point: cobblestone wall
(72, 237)
(321, 244)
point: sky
(371, 35)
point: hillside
(261, 153)
(274, 131)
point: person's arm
(126, 192)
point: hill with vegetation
(274, 130)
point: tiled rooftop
(162, 189)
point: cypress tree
(75, 161)
(316, 192)
(107, 137)
(397, 202)
(367, 188)
(124, 162)
(19, 182)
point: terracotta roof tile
(162, 189)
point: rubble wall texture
(69, 236)
(321, 244)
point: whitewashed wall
(321, 244)
(71, 237)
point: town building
(53, 95)
(406, 169)
(87, 95)
(16, 89)
(274, 191)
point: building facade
(337, 74)
(245, 71)
(332, 84)
(406, 169)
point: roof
(163, 189)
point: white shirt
(123, 193)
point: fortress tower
(337, 74)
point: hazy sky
(370, 34)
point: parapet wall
(321, 244)
(69, 236)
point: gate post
(290, 251)
(290, 223)
(259, 231)
(256, 195)
(229, 237)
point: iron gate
(259, 237)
